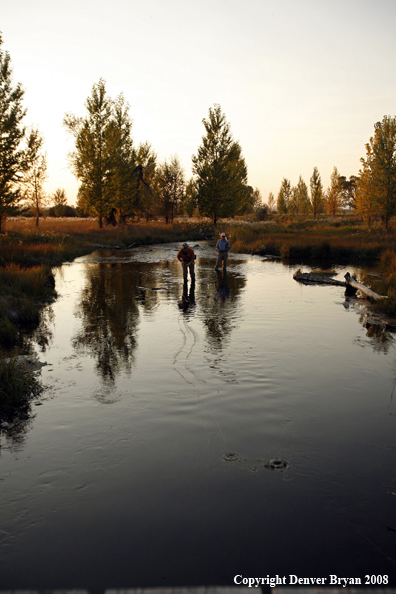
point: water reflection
(109, 313)
(222, 287)
(220, 310)
(43, 334)
(130, 474)
(13, 438)
(380, 339)
(187, 302)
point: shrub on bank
(62, 210)
(23, 291)
(8, 332)
(17, 387)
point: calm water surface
(125, 478)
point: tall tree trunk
(100, 222)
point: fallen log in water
(311, 278)
(351, 284)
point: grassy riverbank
(304, 239)
(58, 240)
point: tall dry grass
(319, 239)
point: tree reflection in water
(109, 313)
(380, 339)
(43, 334)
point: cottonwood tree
(271, 201)
(92, 158)
(190, 197)
(316, 188)
(16, 145)
(255, 199)
(303, 204)
(36, 176)
(81, 203)
(293, 206)
(365, 204)
(170, 187)
(284, 197)
(220, 170)
(123, 160)
(59, 200)
(334, 196)
(146, 198)
(378, 175)
(348, 189)
(59, 197)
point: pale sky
(301, 82)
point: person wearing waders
(187, 258)
(223, 246)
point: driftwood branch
(358, 286)
(351, 284)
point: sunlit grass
(318, 239)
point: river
(147, 462)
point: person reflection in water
(222, 285)
(188, 298)
(186, 256)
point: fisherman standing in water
(222, 247)
(187, 258)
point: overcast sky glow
(301, 82)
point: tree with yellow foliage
(376, 188)
(334, 196)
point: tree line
(119, 180)
(371, 193)
(315, 200)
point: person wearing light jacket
(223, 246)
